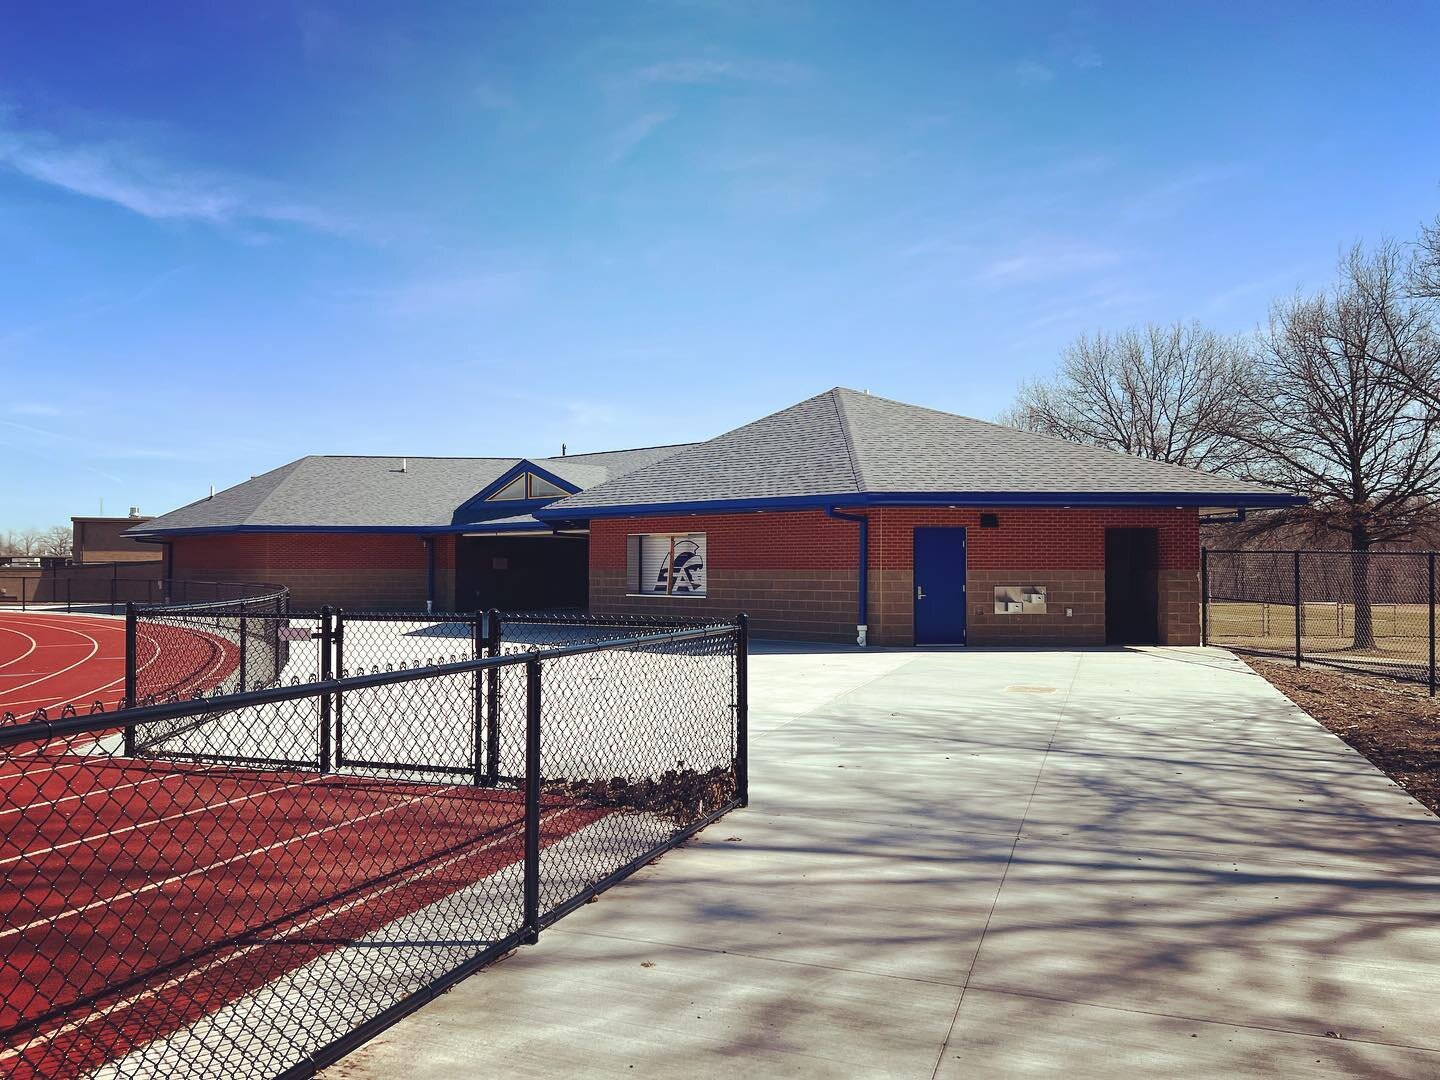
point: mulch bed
(1395, 725)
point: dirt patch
(1394, 725)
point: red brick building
(844, 517)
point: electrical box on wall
(989, 521)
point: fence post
(69, 581)
(130, 676)
(742, 708)
(492, 700)
(114, 585)
(327, 617)
(1298, 607)
(477, 702)
(1204, 596)
(1431, 575)
(244, 634)
(337, 671)
(532, 801)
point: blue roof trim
(928, 498)
(520, 468)
(507, 509)
(218, 530)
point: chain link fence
(249, 884)
(109, 587)
(1366, 611)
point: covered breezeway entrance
(522, 573)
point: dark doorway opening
(1132, 586)
(522, 573)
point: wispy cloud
(1034, 73)
(1256, 292)
(624, 142)
(456, 292)
(1068, 50)
(1171, 196)
(128, 176)
(1042, 260)
(493, 98)
(34, 408)
(77, 445)
(709, 71)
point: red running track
(136, 897)
(48, 661)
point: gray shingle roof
(845, 443)
(359, 492)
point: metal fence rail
(1371, 612)
(217, 887)
(108, 587)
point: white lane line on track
(151, 886)
(19, 633)
(48, 703)
(507, 835)
(94, 648)
(90, 838)
(51, 804)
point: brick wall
(794, 572)
(359, 570)
(1063, 550)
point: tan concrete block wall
(1082, 591)
(892, 608)
(815, 605)
(1180, 607)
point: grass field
(1401, 633)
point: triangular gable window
(540, 488)
(515, 489)
(528, 486)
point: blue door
(939, 586)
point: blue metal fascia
(926, 498)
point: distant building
(103, 540)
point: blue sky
(233, 234)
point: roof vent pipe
(212, 491)
(404, 464)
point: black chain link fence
(1364, 611)
(108, 587)
(178, 650)
(251, 884)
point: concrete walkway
(994, 863)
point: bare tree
(1326, 416)
(24, 542)
(1425, 263)
(55, 541)
(1169, 393)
